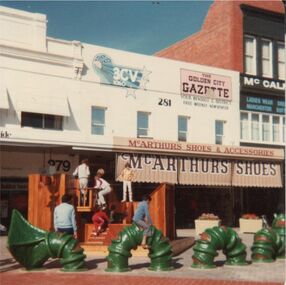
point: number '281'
(164, 102)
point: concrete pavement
(270, 273)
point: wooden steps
(102, 250)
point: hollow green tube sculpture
(218, 238)
(32, 246)
(129, 238)
(269, 243)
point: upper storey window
(250, 55)
(264, 57)
(281, 61)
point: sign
(21, 164)
(149, 168)
(200, 171)
(266, 84)
(155, 146)
(257, 174)
(262, 104)
(119, 75)
(205, 85)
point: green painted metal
(129, 238)
(32, 246)
(269, 243)
(279, 226)
(218, 238)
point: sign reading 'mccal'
(205, 84)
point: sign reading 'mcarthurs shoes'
(199, 164)
(200, 171)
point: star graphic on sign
(145, 78)
(131, 92)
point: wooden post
(45, 194)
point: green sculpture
(32, 247)
(269, 243)
(217, 238)
(129, 238)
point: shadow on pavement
(12, 265)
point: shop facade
(177, 122)
(248, 36)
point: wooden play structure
(45, 194)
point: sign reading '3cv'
(119, 75)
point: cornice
(38, 56)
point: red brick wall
(220, 42)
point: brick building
(248, 37)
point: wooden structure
(45, 194)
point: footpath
(11, 272)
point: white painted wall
(25, 72)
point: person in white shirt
(103, 186)
(127, 176)
(83, 173)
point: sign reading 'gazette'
(205, 85)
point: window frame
(279, 129)
(219, 138)
(279, 76)
(144, 128)
(270, 75)
(183, 132)
(245, 55)
(43, 120)
(96, 124)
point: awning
(257, 174)
(205, 171)
(4, 100)
(200, 171)
(149, 168)
(45, 105)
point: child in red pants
(100, 221)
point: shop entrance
(191, 202)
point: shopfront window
(255, 127)
(244, 129)
(265, 128)
(182, 128)
(143, 124)
(98, 120)
(219, 132)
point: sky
(137, 26)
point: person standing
(64, 217)
(83, 173)
(143, 220)
(127, 176)
(103, 186)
